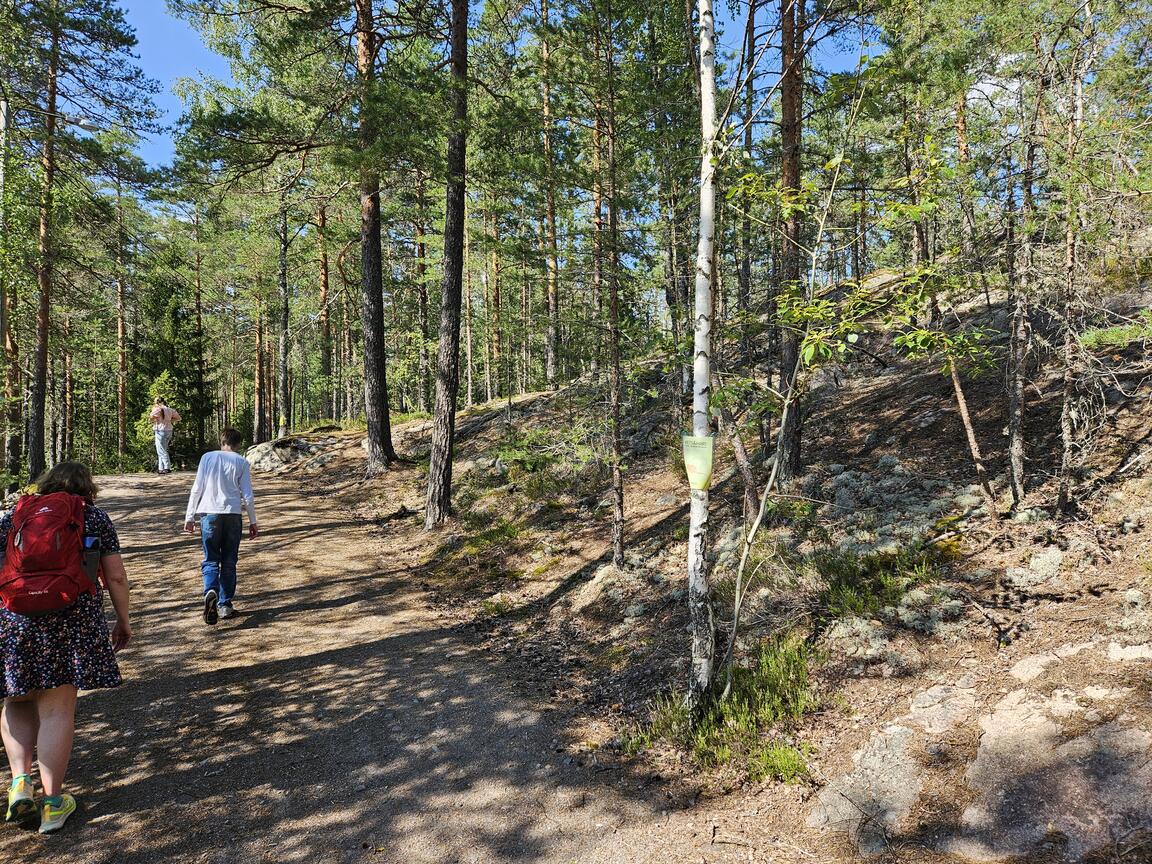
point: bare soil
(338, 718)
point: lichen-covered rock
(1031, 781)
(859, 638)
(1043, 567)
(943, 706)
(874, 801)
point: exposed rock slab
(1033, 782)
(942, 707)
(875, 800)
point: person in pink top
(163, 419)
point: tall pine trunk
(615, 374)
(13, 398)
(380, 449)
(597, 248)
(469, 384)
(325, 312)
(791, 108)
(439, 504)
(201, 381)
(283, 395)
(121, 334)
(422, 392)
(552, 331)
(259, 432)
(44, 270)
(1073, 226)
(1021, 287)
(744, 284)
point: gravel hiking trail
(336, 719)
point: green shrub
(774, 691)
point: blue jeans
(163, 439)
(220, 533)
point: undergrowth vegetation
(752, 728)
(862, 585)
(747, 728)
(1121, 335)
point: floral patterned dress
(72, 646)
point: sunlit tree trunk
(425, 370)
(597, 248)
(791, 109)
(283, 394)
(699, 593)
(44, 267)
(259, 432)
(439, 502)
(606, 46)
(201, 384)
(744, 284)
(380, 449)
(121, 333)
(552, 291)
(13, 398)
(470, 392)
(1073, 227)
(325, 312)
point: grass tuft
(774, 691)
(863, 585)
(1120, 336)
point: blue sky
(169, 49)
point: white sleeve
(246, 492)
(194, 495)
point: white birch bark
(699, 599)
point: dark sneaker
(226, 611)
(210, 615)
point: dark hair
(70, 477)
(231, 438)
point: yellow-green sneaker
(21, 807)
(54, 812)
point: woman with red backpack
(54, 640)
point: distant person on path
(48, 656)
(163, 419)
(222, 491)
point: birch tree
(699, 599)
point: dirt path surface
(335, 720)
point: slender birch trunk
(699, 595)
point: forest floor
(461, 696)
(338, 718)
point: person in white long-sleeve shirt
(220, 495)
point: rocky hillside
(962, 688)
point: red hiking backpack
(45, 565)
